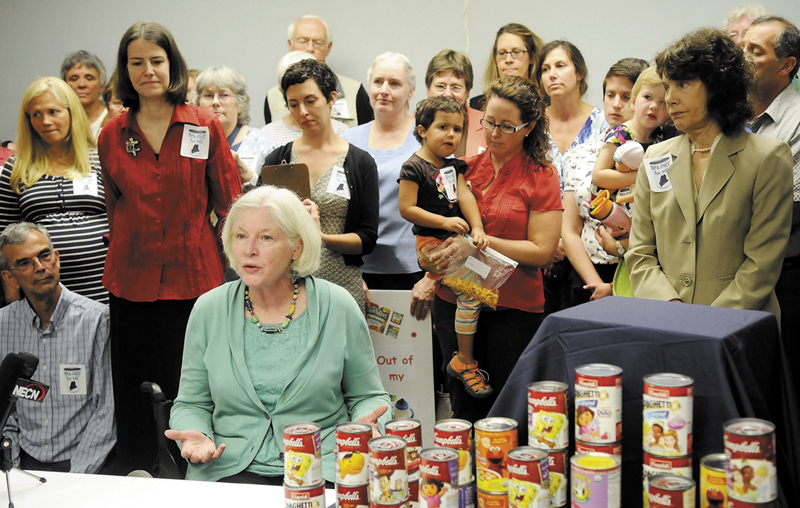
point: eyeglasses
(318, 44)
(516, 54)
(26, 266)
(442, 88)
(505, 129)
(223, 97)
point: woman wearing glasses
(223, 91)
(518, 196)
(515, 52)
(55, 180)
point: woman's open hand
(196, 446)
(372, 419)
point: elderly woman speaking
(274, 348)
(713, 206)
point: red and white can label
(653, 466)
(557, 461)
(750, 460)
(413, 493)
(438, 484)
(302, 454)
(457, 435)
(609, 448)
(667, 413)
(352, 449)
(388, 475)
(410, 430)
(598, 403)
(304, 497)
(548, 426)
(352, 497)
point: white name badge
(85, 186)
(249, 161)
(656, 169)
(72, 379)
(338, 183)
(195, 142)
(340, 109)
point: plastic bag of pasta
(477, 273)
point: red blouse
(163, 246)
(520, 187)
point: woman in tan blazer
(713, 206)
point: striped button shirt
(76, 420)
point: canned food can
(713, 482)
(548, 426)
(466, 495)
(672, 491)
(492, 499)
(598, 403)
(668, 405)
(750, 460)
(302, 497)
(352, 497)
(609, 448)
(456, 434)
(557, 460)
(388, 476)
(494, 438)
(352, 449)
(529, 477)
(398, 504)
(653, 466)
(413, 494)
(735, 503)
(438, 484)
(302, 453)
(410, 430)
(596, 480)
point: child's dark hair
(432, 481)
(426, 112)
(583, 409)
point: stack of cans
(302, 451)
(409, 430)
(548, 429)
(351, 451)
(750, 463)
(667, 433)
(457, 435)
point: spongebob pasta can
(302, 454)
(713, 488)
(653, 466)
(410, 430)
(351, 450)
(438, 484)
(352, 497)
(671, 491)
(494, 438)
(557, 465)
(667, 415)
(596, 480)
(529, 478)
(547, 415)
(301, 497)
(388, 474)
(456, 434)
(750, 460)
(598, 403)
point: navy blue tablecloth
(734, 357)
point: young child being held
(434, 196)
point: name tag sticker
(338, 183)
(656, 169)
(478, 267)
(85, 186)
(340, 109)
(72, 379)
(195, 142)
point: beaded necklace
(248, 304)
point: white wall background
(250, 35)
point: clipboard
(290, 176)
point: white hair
(288, 60)
(328, 36)
(396, 58)
(224, 77)
(749, 10)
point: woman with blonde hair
(55, 180)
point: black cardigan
(362, 211)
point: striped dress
(74, 213)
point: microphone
(11, 368)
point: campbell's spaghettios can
(672, 491)
(557, 462)
(494, 438)
(438, 483)
(653, 466)
(668, 405)
(713, 482)
(352, 497)
(413, 494)
(548, 425)
(596, 480)
(352, 449)
(388, 475)
(410, 430)
(302, 454)
(529, 477)
(457, 435)
(303, 497)
(750, 460)
(492, 499)
(598, 403)
(735, 503)
(609, 448)
(466, 495)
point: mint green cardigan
(334, 380)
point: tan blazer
(727, 248)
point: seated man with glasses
(312, 34)
(72, 429)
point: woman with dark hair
(166, 166)
(343, 178)
(520, 204)
(714, 205)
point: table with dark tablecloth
(734, 357)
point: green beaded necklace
(277, 328)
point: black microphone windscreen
(31, 363)
(10, 371)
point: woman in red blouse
(519, 199)
(166, 166)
